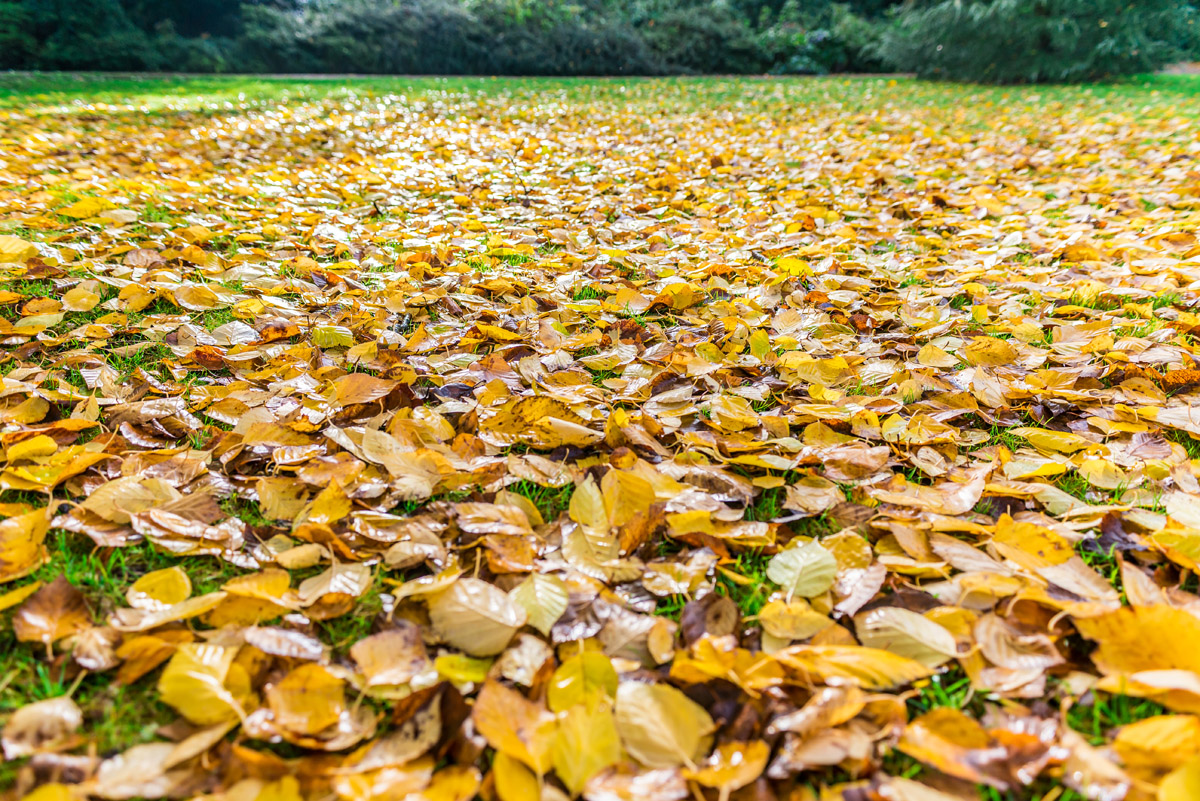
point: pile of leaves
(755, 441)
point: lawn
(705, 437)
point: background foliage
(983, 40)
(1029, 41)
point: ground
(426, 438)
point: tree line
(1002, 41)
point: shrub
(414, 36)
(1026, 41)
(833, 40)
(274, 40)
(91, 35)
(701, 37)
(552, 38)
(17, 44)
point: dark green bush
(1028, 41)
(377, 36)
(799, 41)
(552, 38)
(703, 36)
(273, 40)
(18, 47)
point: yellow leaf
(14, 597)
(21, 540)
(794, 620)
(452, 783)
(160, 588)
(1182, 784)
(52, 791)
(330, 505)
(544, 598)
(660, 726)
(805, 569)
(514, 781)
(1056, 441)
(870, 668)
(793, 266)
(587, 742)
(583, 679)
(332, 336)
(732, 766)
(86, 207)
(906, 633)
(989, 352)
(193, 682)
(476, 617)
(80, 300)
(307, 700)
(15, 250)
(1157, 745)
(496, 333)
(1155, 637)
(32, 448)
(461, 669)
(931, 355)
(514, 725)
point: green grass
(245, 510)
(215, 318)
(116, 717)
(149, 359)
(1099, 302)
(950, 688)
(1073, 484)
(768, 505)
(671, 606)
(104, 574)
(37, 288)
(751, 596)
(1107, 712)
(550, 501)
(600, 376)
(1143, 329)
(1105, 563)
(154, 213)
(1076, 485)
(1003, 436)
(587, 293)
(1166, 299)
(341, 632)
(640, 318)
(414, 506)
(35, 499)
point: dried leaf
(661, 727)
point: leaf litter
(546, 442)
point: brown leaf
(55, 611)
